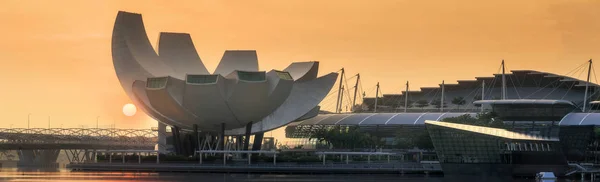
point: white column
(346, 158)
(324, 159)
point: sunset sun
(129, 109)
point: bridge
(41, 146)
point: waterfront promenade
(283, 168)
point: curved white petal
(303, 71)
(177, 51)
(247, 94)
(243, 60)
(129, 35)
(141, 100)
(126, 66)
(129, 47)
(310, 114)
(280, 87)
(304, 97)
(204, 97)
(165, 95)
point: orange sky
(57, 61)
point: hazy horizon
(57, 60)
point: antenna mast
(376, 97)
(503, 82)
(482, 92)
(442, 99)
(337, 104)
(355, 90)
(342, 100)
(406, 97)
(587, 84)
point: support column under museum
(176, 140)
(257, 144)
(247, 137)
(162, 138)
(222, 137)
(246, 142)
(195, 140)
(258, 137)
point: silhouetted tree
(422, 103)
(459, 101)
(438, 104)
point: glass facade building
(475, 150)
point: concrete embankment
(272, 169)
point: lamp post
(98, 117)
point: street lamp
(97, 122)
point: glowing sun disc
(129, 109)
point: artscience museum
(173, 86)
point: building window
(201, 79)
(284, 75)
(159, 82)
(251, 76)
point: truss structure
(77, 138)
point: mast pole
(587, 84)
(503, 82)
(337, 104)
(442, 99)
(376, 97)
(482, 92)
(406, 97)
(355, 90)
(341, 100)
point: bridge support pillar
(38, 158)
(162, 138)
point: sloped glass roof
(377, 118)
(492, 131)
(580, 119)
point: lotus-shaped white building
(174, 87)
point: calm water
(11, 174)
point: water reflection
(13, 174)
